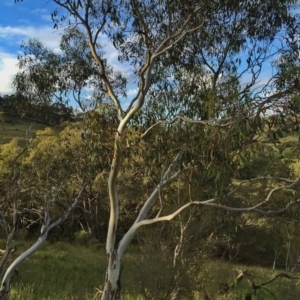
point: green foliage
(56, 162)
(58, 271)
(47, 79)
(81, 237)
(15, 127)
(8, 154)
(197, 65)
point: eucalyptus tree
(47, 77)
(202, 94)
(13, 208)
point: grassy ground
(61, 271)
(15, 127)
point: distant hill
(12, 126)
(16, 122)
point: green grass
(76, 272)
(225, 272)
(61, 271)
(16, 127)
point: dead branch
(254, 287)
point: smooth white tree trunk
(11, 270)
(5, 284)
(112, 287)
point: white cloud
(46, 17)
(132, 92)
(43, 13)
(8, 68)
(51, 38)
(111, 54)
(14, 35)
(23, 21)
(46, 34)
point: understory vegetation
(70, 264)
(177, 176)
(58, 271)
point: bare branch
(213, 122)
(167, 178)
(150, 60)
(5, 285)
(92, 39)
(284, 275)
(245, 274)
(211, 202)
(67, 213)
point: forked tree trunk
(5, 284)
(112, 287)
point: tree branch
(92, 43)
(167, 178)
(5, 284)
(211, 202)
(213, 122)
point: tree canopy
(214, 81)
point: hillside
(23, 122)
(12, 126)
(231, 238)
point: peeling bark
(112, 288)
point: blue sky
(19, 22)
(32, 19)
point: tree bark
(112, 287)
(5, 284)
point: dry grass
(61, 271)
(16, 127)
